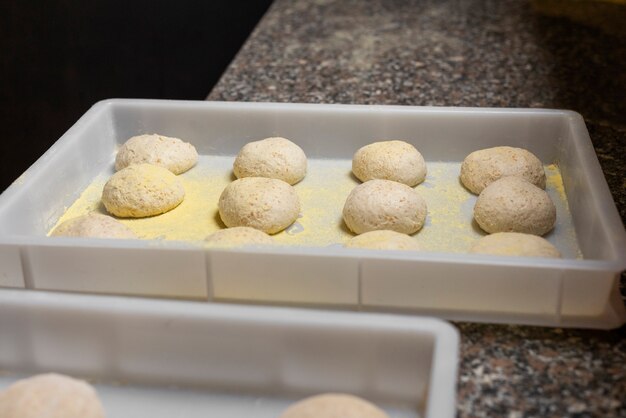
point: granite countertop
(542, 53)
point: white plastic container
(569, 292)
(162, 358)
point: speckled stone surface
(552, 54)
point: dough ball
(483, 167)
(334, 405)
(171, 153)
(389, 160)
(384, 204)
(274, 158)
(512, 204)
(93, 225)
(383, 240)
(50, 396)
(270, 205)
(514, 243)
(238, 236)
(142, 190)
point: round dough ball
(514, 243)
(333, 405)
(384, 204)
(93, 225)
(270, 205)
(389, 160)
(50, 396)
(142, 190)
(171, 153)
(238, 236)
(483, 167)
(275, 158)
(512, 204)
(383, 240)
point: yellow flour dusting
(554, 181)
(322, 194)
(192, 220)
(564, 235)
(449, 225)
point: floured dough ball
(515, 243)
(389, 160)
(171, 153)
(142, 190)
(384, 204)
(50, 396)
(334, 405)
(93, 225)
(238, 236)
(275, 158)
(483, 167)
(270, 205)
(512, 204)
(383, 240)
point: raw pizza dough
(50, 396)
(384, 204)
(269, 205)
(515, 243)
(238, 236)
(334, 405)
(142, 190)
(512, 204)
(383, 240)
(171, 153)
(483, 167)
(276, 158)
(390, 160)
(93, 225)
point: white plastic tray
(158, 358)
(569, 292)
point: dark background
(60, 57)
